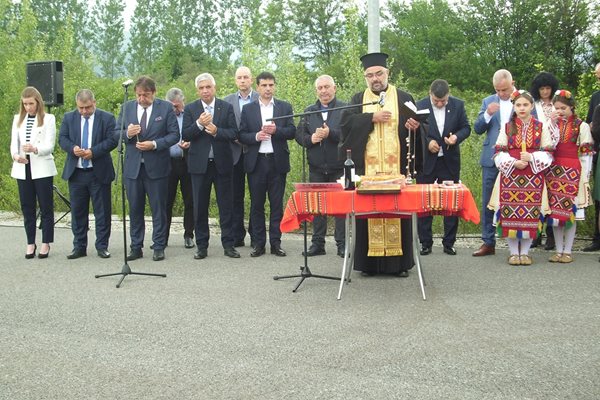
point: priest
(377, 135)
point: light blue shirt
(175, 150)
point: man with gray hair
(495, 112)
(87, 135)
(320, 133)
(179, 175)
(209, 125)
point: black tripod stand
(304, 270)
(125, 270)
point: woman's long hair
(28, 93)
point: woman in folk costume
(567, 179)
(522, 154)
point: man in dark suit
(87, 135)
(209, 125)
(448, 126)
(150, 128)
(320, 134)
(267, 161)
(179, 175)
(594, 102)
(244, 95)
(495, 112)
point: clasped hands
(523, 162)
(450, 140)
(320, 134)
(86, 154)
(266, 132)
(206, 120)
(135, 130)
(26, 148)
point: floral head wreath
(520, 93)
(563, 93)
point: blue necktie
(211, 154)
(84, 141)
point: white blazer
(42, 137)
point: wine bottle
(349, 171)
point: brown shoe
(566, 258)
(514, 260)
(485, 250)
(555, 258)
(526, 260)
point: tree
(109, 38)
(146, 41)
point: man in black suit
(209, 125)
(448, 126)
(320, 134)
(594, 102)
(150, 128)
(87, 135)
(179, 175)
(267, 161)
(244, 95)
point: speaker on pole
(47, 78)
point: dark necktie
(143, 122)
(84, 141)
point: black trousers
(31, 193)
(320, 221)
(441, 173)
(263, 181)
(179, 176)
(239, 195)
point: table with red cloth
(412, 202)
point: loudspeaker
(47, 78)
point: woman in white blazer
(31, 146)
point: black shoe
(239, 243)
(450, 250)
(536, 242)
(550, 245)
(340, 252)
(313, 251)
(77, 253)
(158, 255)
(200, 254)
(189, 243)
(277, 250)
(257, 252)
(103, 253)
(368, 273)
(594, 246)
(29, 256)
(44, 255)
(425, 250)
(231, 252)
(403, 274)
(134, 254)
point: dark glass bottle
(349, 171)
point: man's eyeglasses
(377, 74)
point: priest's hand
(382, 116)
(412, 124)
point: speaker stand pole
(304, 270)
(125, 270)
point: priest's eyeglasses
(377, 74)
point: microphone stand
(125, 270)
(305, 271)
(380, 102)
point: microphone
(127, 83)
(382, 99)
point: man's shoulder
(104, 114)
(455, 101)
(423, 103)
(230, 98)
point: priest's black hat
(374, 59)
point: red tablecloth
(420, 199)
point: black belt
(266, 155)
(85, 169)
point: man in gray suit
(244, 95)
(149, 128)
(495, 112)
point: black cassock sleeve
(356, 127)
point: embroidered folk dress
(567, 179)
(518, 194)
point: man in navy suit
(87, 135)
(244, 95)
(495, 112)
(209, 125)
(448, 127)
(150, 128)
(267, 161)
(594, 102)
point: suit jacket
(322, 156)
(232, 99)
(162, 128)
(456, 122)
(251, 124)
(492, 129)
(104, 140)
(201, 141)
(43, 137)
